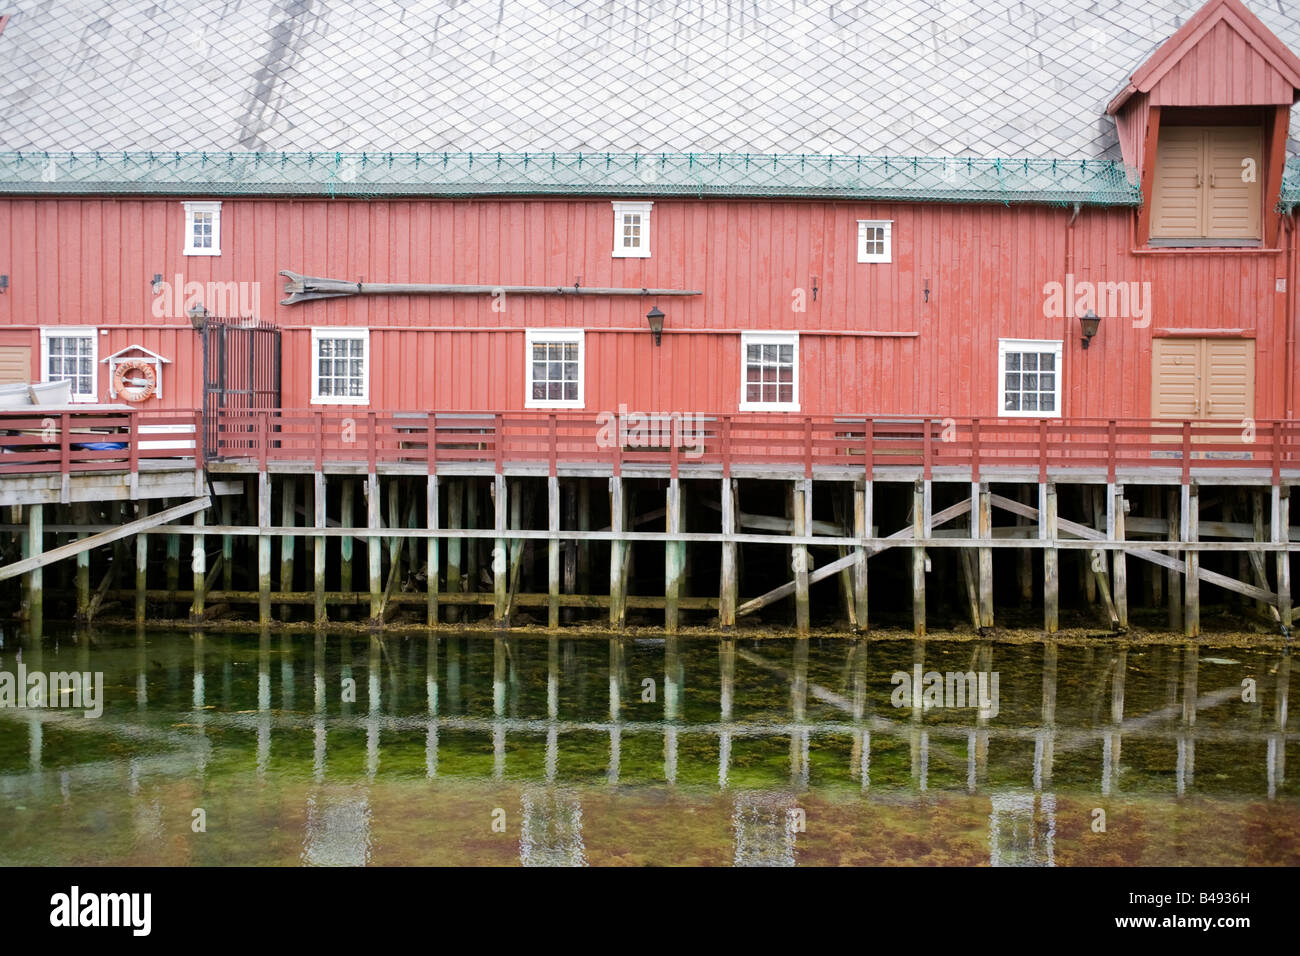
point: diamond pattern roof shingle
(907, 77)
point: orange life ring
(135, 380)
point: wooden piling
(374, 549)
(141, 564)
(674, 555)
(553, 553)
(983, 501)
(288, 518)
(263, 548)
(228, 544)
(35, 545)
(431, 569)
(920, 532)
(801, 513)
(1117, 507)
(199, 569)
(1281, 532)
(455, 504)
(500, 566)
(347, 545)
(81, 515)
(727, 586)
(1024, 556)
(319, 614)
(617, 555)
(1189, 522)
(862, 520)
(1047, 530)
(1173, 585)
(171, 564)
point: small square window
(875, 240)
(554, 368)
(69, 355)
(632, 230)
(1028, 383)
(340, 372)
(202, 228)
(770, 374)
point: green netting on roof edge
(373, 175)
(1290, 197)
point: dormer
(1204, 121)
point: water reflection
(774, 736)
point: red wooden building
(862, 297)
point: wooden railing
(800, 442)
(70, 441)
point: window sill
(767, 407)
(1205, 250)
(357, 401)
(202, 252)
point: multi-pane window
(770, 371)
(340, 366)
(632, 229)
(555, 368)
(202, 228)
(874, 240)
(68, 355)
(1030, 382)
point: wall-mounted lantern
(156, 285)
(198, 316)
(1089, 321)
(656, 319)
(4, 284)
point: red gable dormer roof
(1222, 56)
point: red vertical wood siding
(90, 262)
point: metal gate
(241, 373)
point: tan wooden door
(1203, 378)
(15, 364)
(1207, 183)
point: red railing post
(974, 449)
(725, 448)
(320, 440)
(1110, 451)
(868, 449)
(499, 445)
(554, 444)
(65, 443)
(262, 439)
(372, 441)
(927, 451)
(133, 445)
(807, 446)
(1187, 452)
(1277, 453)
(1042, 451)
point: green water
(455, 749)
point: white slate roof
(979, 78)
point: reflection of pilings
(263, 701)
(1186, 766)
(860, 759)
(727, 668)
(373, 683)
(799, 714)
(1045, 741)
(1022, 829)
(1113, 739)
(551, 832)
(1276, 760)
(338, 829)
(764, 827)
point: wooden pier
(716, 521)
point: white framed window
(70, 354)
(632, 230)
(202, 228)
(769, 370)
(1029, 378)
(875, 240)
(554, 365)
(340, 366)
